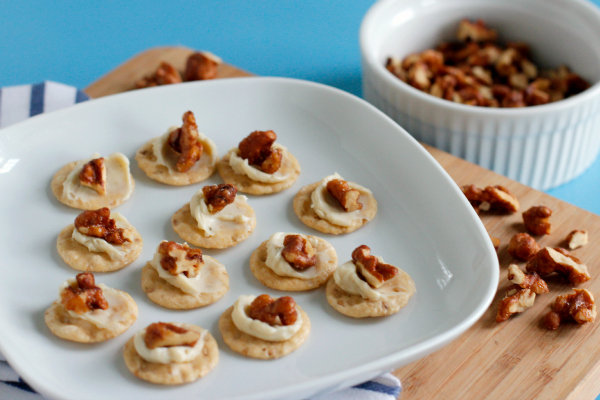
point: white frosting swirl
(166, 355)
(242, 167)
(99, 245)
(212, 223)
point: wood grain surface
(516, 359)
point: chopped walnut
(180, 259)
(274, 312)
(257, 149)
(201, 66)
(93, 175)
(498, 198)
(495, 242)
(523, 247)
(371, 268)
(298, 252)
(165, 74)
(348, 198)
(474, 195)
(97, 223)
(84, 295)
(549, 260)
(576, 239)
(219, 196)
(475, 32)
(163, 334)
(536, 220)
(516, 300)
(578, 307)
(185, 143)
(530, 281)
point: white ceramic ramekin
(540, 146)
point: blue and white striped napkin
(18, 103)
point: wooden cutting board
(516, 359)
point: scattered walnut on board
(523, 247)
(516, 300)
(537, 220)
(576, 239)
(165, 74)
(549, 260)
(579, 307)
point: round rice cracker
(185, 225)
(246, 185)
(201, 171)
(253, 347)
(164, 294)
(175, 373)
(63, 325)
(400, 289)
(269, 278)
(78, 257)
(302, 207)
(110, 199)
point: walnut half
(83, 296)
(515, 301)
(180, 259)
(523, 247)
(201, 66)
(185, 143)
(93, 175)
(274, 312)
(536, 220)
(298, 252)
(163, 334)
(165, 74)
(579, 307)
(97, 223)
(530, 281)
(348, 198)
(217, 197)
(576, 239)
(257, 149)
(371, 269)
(549, 260)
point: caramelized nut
(579, 307)
(97, 223)
(274, 312)
(84, 296)
(523, 247)
(495, 242)
(162, 334)
(530, 281)
(93, 175)
(165, 74)
(219, 196)
(515, 301)
(576, 239)
(474, 195)
(348, 198)
(185, 143)
(257, 149)
(298, 252)
(475, 32)
(499, 198)
(371, 269)
(536, 220)
(201, 66)
(180, 259)
(549, 260)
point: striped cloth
(21, 102)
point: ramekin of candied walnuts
(511, 86)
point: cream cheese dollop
(118, 178)
(111, 318)
(159, 144)
(281, 267)
(212, 223)
(166, 355)
(346, 277)
(99, 245)
(328, 208)
(259, 329)
(242, 167)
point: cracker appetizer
(90, 313)
(293, 262)
(263, 327)
(367, 287)
(180, 277)
(181, 156)
(99, 241)
(94, 182)
(170, 353)
(216, 218)
(334, 205)
(259, 165)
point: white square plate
(424, 226)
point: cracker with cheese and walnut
(216, 218)
(293, 262)
(180, 277)
(264, 327)
(171, 353)
(90, 313)
(99, 241)
(368, 287)
(181, 156)
(259, 165)
(94, 183)
(334, 205)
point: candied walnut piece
(579, 307)
(185, 143)
(348, 198)
(474, 195)
(475, 32)
(97, 223)
(201, 66)
(298, 252)
(523, 247)
(180, 259)
(219, 196)
(370, 268)
(163, 334)
(93, 175)
(536, 220)
(499, 198)
(530, 281)
(83, 296)
(515, 301)
(274, 312)
(576, 239)
(549, 260)
(165, 74)
(495, 242)
(257, 149)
